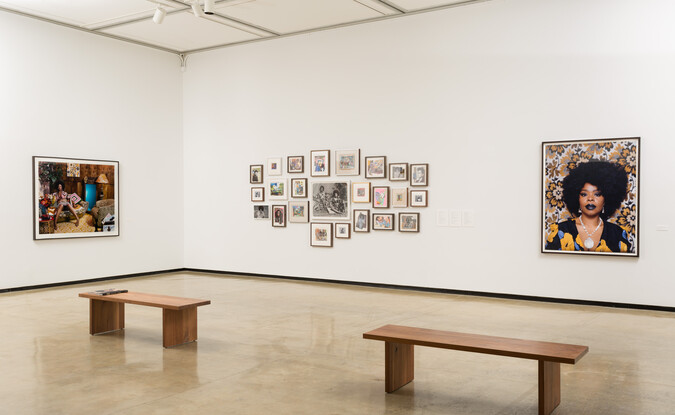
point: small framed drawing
(376, 167)
(398, 172)
(257, 194)
(321, 234)
(347, 163)
(296, 164)
(278, 189)
(330, 200)
(380, 197)
(361, 220)
(298, 188)
(418, 198)
(278, 216)
(361, 192)
(320, 162)
(419, 174)
(274, 166)
(261, 212)
(399, 197)
(256, 174)
(298, 212)
(408, 222)
(343, 230)
(383, 221)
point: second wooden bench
(400, 365)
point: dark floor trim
(114, 277)
(363, 284)
(449, 291)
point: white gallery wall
(67, 93)
(471, 90)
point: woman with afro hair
(592, 192)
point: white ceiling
(234, 21)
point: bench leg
(105, 316)
(549, 386)
(179, 326)
(399, 365)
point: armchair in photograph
(101, 210)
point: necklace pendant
(588, 243)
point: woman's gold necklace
(588, 243)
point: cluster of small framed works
(328, 203)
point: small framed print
(274, 166)
(383, 221)
(418, 198)
(298, 188)
(278, 189)
(408, 222)
(376, 167)
(296, 164)
(256, 174)
(361, 220)
(298, 212)
(399, 197)
(380, 197)
(419, 174)
(343, 230)
(361, 192)
(261, 212)
(320, 162)
(278, 216)
(330, 200)
(398, 172)
(257, 194)
(321, 234)
(347, 163)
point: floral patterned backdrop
(560, 158)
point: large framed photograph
(298, 188)
(361, 192)
(380, 197)
(261, 212)
(330, 200)
(278, 216)
(398, 172)
(298, 212)
(347, 163)
(361, 220)
(376, 167)
(296, 164)
(274, 166)
(320, 163)
(419, 198)
(419, 174)
(75, 198)
(590, 197)
(278, 189)
(383, 221)
(408, 222)
(256, 173)
(321, 234)
(399, 197)
(257, 194)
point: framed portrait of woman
(590, 197)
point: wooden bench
(399, 355)
(106, 313)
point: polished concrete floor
(270, 346)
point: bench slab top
(478, 343)
(152, 300)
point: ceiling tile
(81, 12)
(181, 31)
(412, 5)
(290, 16)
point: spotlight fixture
(209, 5)
(196, 10)
(160, 12)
